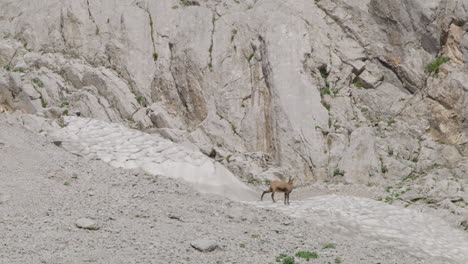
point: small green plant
(306, 255)
(384, 169)
(402, 99)
(250, 57)
(228, 158)
(358, 84)
(289, 260)
(64, 104)
(329, 245)
(409, 177)
(155, 56)
(40, 131)
(390, 151)
(255, 236)
(242, 245)
(21, 70)
(65, 112)
(37, 82)
(364, 110)
(67, 183)
(327, 106)
(337, 172)
(139, 98)
(267, 182)
(434, 67)
(388, 200)
(44, 103)
(233, 35)
(8, 67)
(415, 159)
(253, 181)
(210, 65)
(336, 91)
(152, 179)
(242, 105)
(185, 3)
(25, 45)
(325, 91)
(337, 260)
(391, 122)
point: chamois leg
(273, 196)
(288, 198)
(261, 198)
(285, 198)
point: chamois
(278, 186)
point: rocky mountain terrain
(360, 95)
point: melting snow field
(419, 234)
(122, 147)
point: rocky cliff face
(355, 91)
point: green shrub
(306, 255)
(337, 260)
(64, 104)
(337, 171)
(434, 66)
(289, 260)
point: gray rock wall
(271, 88)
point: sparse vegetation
(253, 181)
(390, 151)
(250, 57)
(337, 172)
(233, 35)
(64, 104)
(67, 183)
(8, 67)
(327, 106)
(37, 82)
(358, 84)
(415, 159)
(306, 255)
(364, 110)
(267, 182)
(139, 98)
(337, 260)
(384, 169)
(242, 245)
(434, 67)
(391, 122)
(255, 236)
(65, 112)
(155, 56)
(330, 245)
(324, 92)
(228, 158)
(285, 259)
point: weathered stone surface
(242, 78)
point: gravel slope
(45, 190)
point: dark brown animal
(278, 186)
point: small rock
(464, 224)
(411, 195)
(174, 216)
(87, 223)
(368, 80)
(58, 143)
(358, 66)
(204, 245)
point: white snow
(127, 148)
